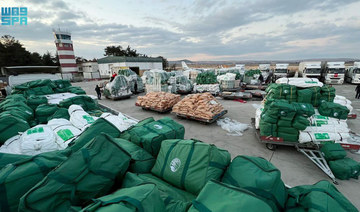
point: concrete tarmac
(296, 168)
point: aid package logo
(11, 16)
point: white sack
(79, 118)
(343, 101)
(38, 139)
(300, 82)
(64, 130)
(317, 137)
(11, 145)
(120, 121)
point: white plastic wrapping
(212, 88)
(300, 82)
(38, 139)
(120, 121)
(79, 118)
(257, 117)
(343, 101)
(57, 98)
(227, 76)
(11, 145)
(317, 137)
(64, 130)
(233, 127)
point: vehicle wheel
(271, 147)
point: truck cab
(281, 70)
(352, 74)
(310, 69)
(333, 73)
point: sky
(196, 30)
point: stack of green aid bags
(316, 96)
(327, 93)
(305, 95)
(282, 91)
(342, 167)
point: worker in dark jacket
(357, 89)
(97, 89)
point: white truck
(241, 68)
(352, 74)
(281, 70)
(310, 69)
(333, 73)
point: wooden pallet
(201, 120)
(154, 109)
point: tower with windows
(65, 51)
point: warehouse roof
(118, 59)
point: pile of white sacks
(58, 133)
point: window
(66, 37)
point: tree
(80, 60)
(165, 62)
(49, 60)
(119, 51)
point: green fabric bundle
(61, 113)
(284, 123)
(289, 137)
(316, 96)
(86, 102)
(268, 129)
(334, 110)
(206, 78)
(283, 91)
(345, 168)
(61, 84)
(333, 151)
(11, 126)
(43, 111)
(327, 93)
(38, 91)
(76, 90)
(6, 158)
(300, 122)
(322, 196)
(305, 95)
(34, 101)
(304, 109)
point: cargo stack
(160, 101)
(206, 82)
(282, 91)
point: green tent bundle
(304, 95)
(289, 130)
(86, 174)
(141, 160)
(34, 101)
(189, 164)
(11, 126)
(61, 84)
(268, 129)
(6, 158)
(334, 110)
(322, 196)
(259, 176)
(143, 198)
(19, 113)
(75, 90)
(300, 122)
(283, 109)
(333, 151)
(43, 111)
(304, 109)
(101, 125)
(18, 177)
(39, 83)
(316, 96)
(61, 113)
(218, 197)
(291, 137)
(327, 93)
(283, 91)
(86, 102)
(150, 135)
(345, 168)
(16, 97)
(174, 198)
(126, 134)
(269, 116)
(38, 91)
(284, 123)
(17, 105)
(206, 78)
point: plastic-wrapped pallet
(300, 82)
(79, 118)
(118, 87)
(257, 117)
(120, 121)
(11, 145)
(212, 88)
(38, 139)
(65, 131)
(227, 76)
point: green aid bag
(333, 151)
(267, 129)
(174, 198)
(150, 135)
(258, 176)
(11, 126)
(88, 173)
(322, 196)
(189, 164)
(126, 134)
(43, 111)
(99, 126)
(17, 178)
(219, 197)
(145, 198)
(6, 159)
(304, 95)
(34, 101)
(141, 160)
(334, 110)
(61, 113)
(345, 168)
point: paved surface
(295, 168)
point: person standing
(97, 89)
(357, 89)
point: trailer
(352, 74)
(310, 69)
(310, 150)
